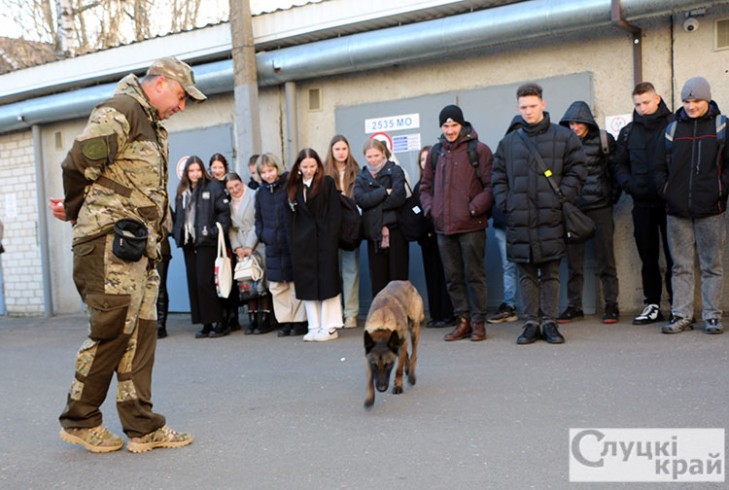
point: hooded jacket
(692, 176)
(635, 158)
(272, 228)
(117, 168)
(535, 230)
(598, 191)
(452, 193)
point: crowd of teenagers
(670, 164)
(673, 166)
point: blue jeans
(509, 269)
(349, 268)
(462, 255)
(706, 236)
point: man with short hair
(535, 232)
(693, 177)
(456, 192)
(634, 163)
(115, 183)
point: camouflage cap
(178, 71)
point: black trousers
(205, 306)
(439, 302)
(649, 230)
(388, 264)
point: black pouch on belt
(130, 239)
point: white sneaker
(323, 335)
(350, 322)
(311, 335)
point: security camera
(691, 24)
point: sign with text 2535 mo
(392, 123)
(647, 455)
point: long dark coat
(314, 238)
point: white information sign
(392, 123)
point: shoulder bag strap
(540, 162)
(221, 241)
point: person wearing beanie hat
(116, 171)
(696, 88)
(693, 175)
(451, 113)
(535, 233)
(455, 192)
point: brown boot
(479, 332)
(462, 330)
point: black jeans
(649, 228)
(462, 255)
(604, 259)
(539, 285)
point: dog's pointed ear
(394, 342)
(368, 342)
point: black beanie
(452, 112)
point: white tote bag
(223, 269)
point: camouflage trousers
(121, 300)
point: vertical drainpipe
(43, 239)
(292, 129)
(617, 19)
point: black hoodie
(598, 191)
(634, 159)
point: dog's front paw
(411, 379)
(396, 390)
(369, 401)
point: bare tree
(75, 27)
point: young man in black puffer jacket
(596, 201)
(634, 162)
(535, 234)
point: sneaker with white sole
(310, 336)
(350, 322)
(95, 439)
(650, 314)
(505, 313)
(324, 334)
(162, 437)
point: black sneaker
(612, 314)
(530, 335)
(570, 314)
(650, 314)
(551, 334)
(505, 313)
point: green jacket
(117, 168)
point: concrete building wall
(670, 56)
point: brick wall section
(22, 277)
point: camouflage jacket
(117, 168)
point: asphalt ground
(279, 413)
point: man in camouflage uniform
(117, 170)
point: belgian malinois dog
(395, 313)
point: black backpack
(472, 157)
(350, 229)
